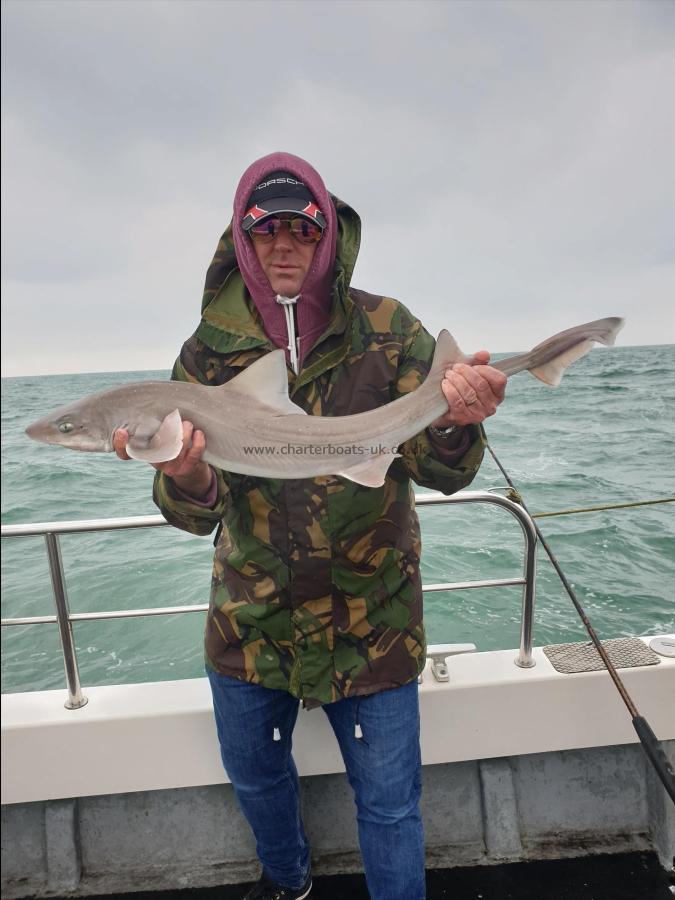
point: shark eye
(66, 427)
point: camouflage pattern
(316, 586)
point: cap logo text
(264, 184)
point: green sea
(605, 436)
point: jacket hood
(334, 258)
(313, 307)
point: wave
(605, 435)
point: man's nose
(284, 237)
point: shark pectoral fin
(158, 444)
(266, 382)
(552, 371)
(370, 473)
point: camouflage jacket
(316, 585)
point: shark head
(79, 426)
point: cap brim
(283, 205)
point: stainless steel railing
(64, 618)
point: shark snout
(37, 432)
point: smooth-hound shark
(252, 426)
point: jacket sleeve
(176, 508)
(425, 461)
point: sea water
(606, 435)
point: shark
(252, 427)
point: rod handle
(658, 758)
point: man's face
(285, 262)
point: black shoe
(270, 890)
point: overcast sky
(512, 162)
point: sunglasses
(302, 229)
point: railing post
(76, 698)
(524, 659)
(51, 530)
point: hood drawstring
(288, 306)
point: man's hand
(473, 391)
(188, 470)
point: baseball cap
(281, 192)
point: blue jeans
(383, 767)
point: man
(316, 592)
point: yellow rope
(569, 512)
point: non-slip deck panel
(623, 653)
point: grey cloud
(505, 157)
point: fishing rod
(647, 738)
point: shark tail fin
(549, 360)
(552, 372)
(602, 331)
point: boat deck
(628, 876)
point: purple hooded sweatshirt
(313, 307)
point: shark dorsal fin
(447, 353)
(266, 382)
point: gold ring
(471, 402)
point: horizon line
(496, 353)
